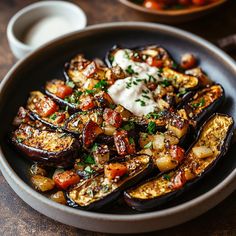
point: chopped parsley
(148, 145)
(129, 70)
(142, 103)
(53, 116)
(126, 54)
(174, 65)
(19, 140)
(88, 170)
(111, 58)
(70, 84)
(154, 115)
(78, 93)
(182, 92)
(165, 83)
(90, 91)
(146, 96)
(166, 177)
(151, 78)
(95, 147)
(131, 140)
(199, 104)
(128, 126)
(102, 84)
(89, 159)
(112, 106)
(151, 127)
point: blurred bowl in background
(41, 22)
(174, 16)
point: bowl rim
(10, 32)
(7, 169)
(170, 13)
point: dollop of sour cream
(133, 94)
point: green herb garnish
(129, 70)
(90, 91)
(131, 140)
(199, 104)
(88, 170)
(151, 127)
(70, 84)
(142, 103)
(154, 115)
(53, 116)
(95, 147)
(165, 83)
(89, 160)
(166, 177)
(102, 84)
(128, 126)
(148, 145)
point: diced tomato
(114, 170)
(46, 107)
(63, 91)
(60, 118)
(153, 61)
(112, 117)
(90, 69)
(152, 86)
(90, 131)
(154, 5)
(87, 103)
(65, 179)
(179, 180)
(124, 144)
(199, 2)
(177, 153)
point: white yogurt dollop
(141, 69)
(133, 94)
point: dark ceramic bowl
(47, 62)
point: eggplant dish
(126, 127)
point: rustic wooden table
(17, 218)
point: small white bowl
(23, 20)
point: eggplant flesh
(204, 103)
(215, 135)
(34, 104)
(48, 147)
(77, 121)
(98, 191)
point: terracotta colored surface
(17, 218)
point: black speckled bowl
(47, 62)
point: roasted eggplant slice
(77, 121)
(204, 103)
(179, 80)
(153, 55)
(212, 143)
(44, 109)
(48, 147)
(100, 190)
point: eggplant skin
(150, 202)
(215, 95)
(50, 148)
(125, 183)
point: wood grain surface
(17, 218)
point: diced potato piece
(171, 138)
(58, 197)
(179, 132)
(188, 174)
(90, 83)
(158, 142)
(36, 169)
(202, 152)
(123, 112)
(42, 183)
(165, 163)
(109, 130)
